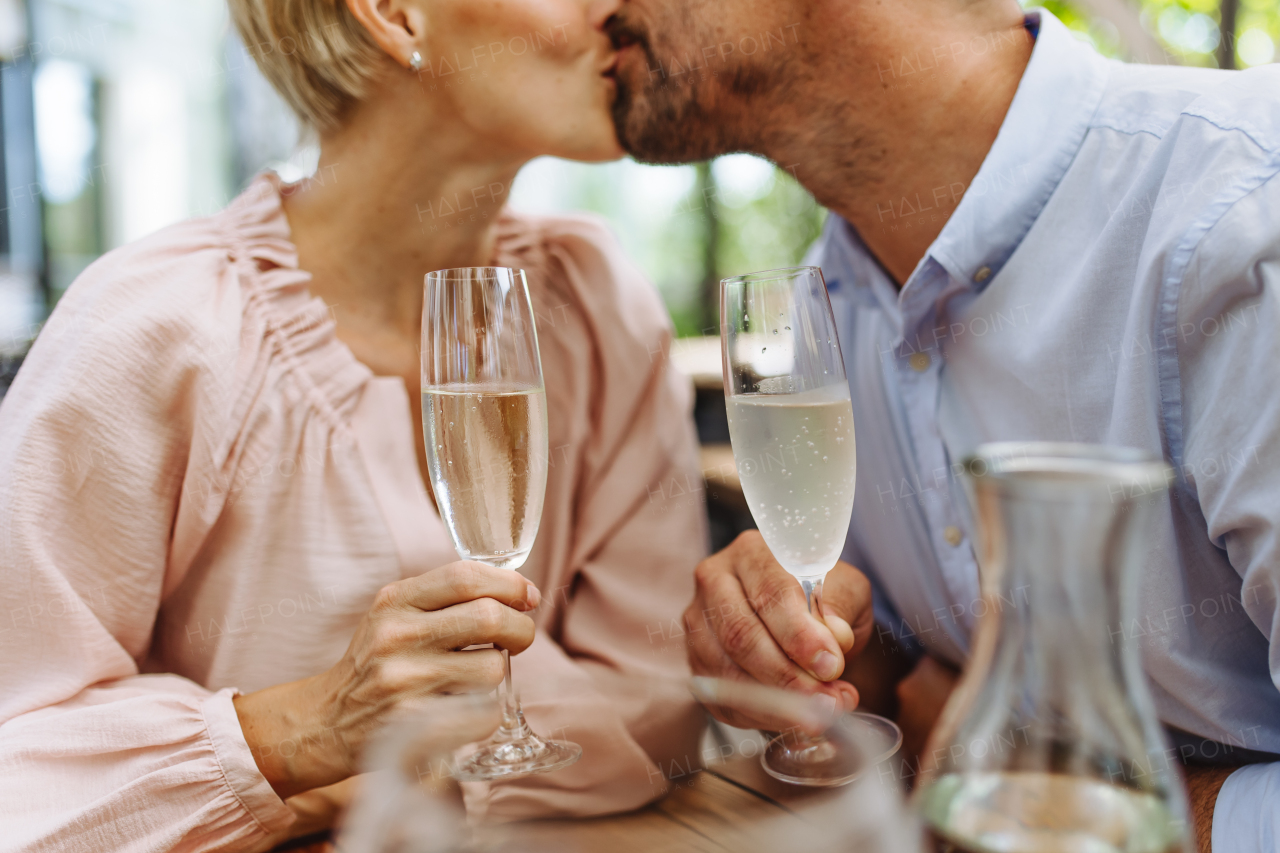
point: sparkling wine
(1037, 812)
(795, 457)
(486, 456)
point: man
(1027, 241)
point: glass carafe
(1050, 742)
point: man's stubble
(676, 112)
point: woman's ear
(399, 27)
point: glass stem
(812, 600)
(512, 717)
(813, 596)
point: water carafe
(1050, 742)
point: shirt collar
(1040, 136)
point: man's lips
(621, 54)
(624, 37)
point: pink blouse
(201, 490)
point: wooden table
(713, 811)
(734, 806)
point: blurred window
(66, 129)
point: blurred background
(118, 117)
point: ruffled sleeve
(120, 436)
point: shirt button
(982, 274)
(953, 535)
(919, 361)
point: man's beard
(690, 114)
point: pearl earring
(415, 61)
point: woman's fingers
(475, 623)
(412, 645)
(414, 680)
(470, 671)
(456, 583)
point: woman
(222, 569)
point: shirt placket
(919, 363)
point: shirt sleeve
(106, 469)
(609, 666)
(1229, 355)
(1246, 818)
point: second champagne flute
(791, 425)
(484, 419)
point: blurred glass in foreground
(410, 804)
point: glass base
(514, 757)
(819, 762)
(816, 762)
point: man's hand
(748, 622)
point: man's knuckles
(740, 635)
(707, 572)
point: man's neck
(890, 126)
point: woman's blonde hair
(314, 52)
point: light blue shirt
(1112, 275)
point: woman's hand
(409, 646)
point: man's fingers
(846, 693)
(707, 658)
(749, 642)
(744, 703)
(846, 595)
(841, 630)
(459, 582)
(780, 602)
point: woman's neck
(397, 194)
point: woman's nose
(599, 11)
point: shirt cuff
(239, 769)
(1246, 817)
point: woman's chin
(591, 148)
(594, 139)
(606, 153)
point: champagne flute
(791, 425)
(484, 418)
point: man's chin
(660, 137)
(655, 150)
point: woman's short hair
(314, 52)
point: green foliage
(1188, 29)
(771, 230)
(769, 226)
(1261, 17)
(1101, 34)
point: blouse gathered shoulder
(202, 490)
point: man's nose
(599, 11)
